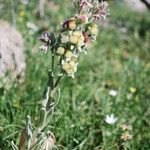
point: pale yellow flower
(93, 29)
(68, 54)
(69, 67)
(60, 51)
(77, 38)
(73, 39)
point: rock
(11, 51)
(136, 5)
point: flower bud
(68, 54)
(83, 19)
(60, 51)
(93, 29)
(72, 24)
(73, 39)
(86, 37)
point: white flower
(113, 93)
(110, 119)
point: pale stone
(136, 5)
(11, 51)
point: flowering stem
(49, 95)
(53, 61)
(57, 81)
(72, 41)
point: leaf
(14, 146)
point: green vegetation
(119, 60)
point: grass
(119, 60)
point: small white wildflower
(113, 93)
(110, 119)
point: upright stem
(52, 68)
(58, 80)
(49, 98)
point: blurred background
(114, 78)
